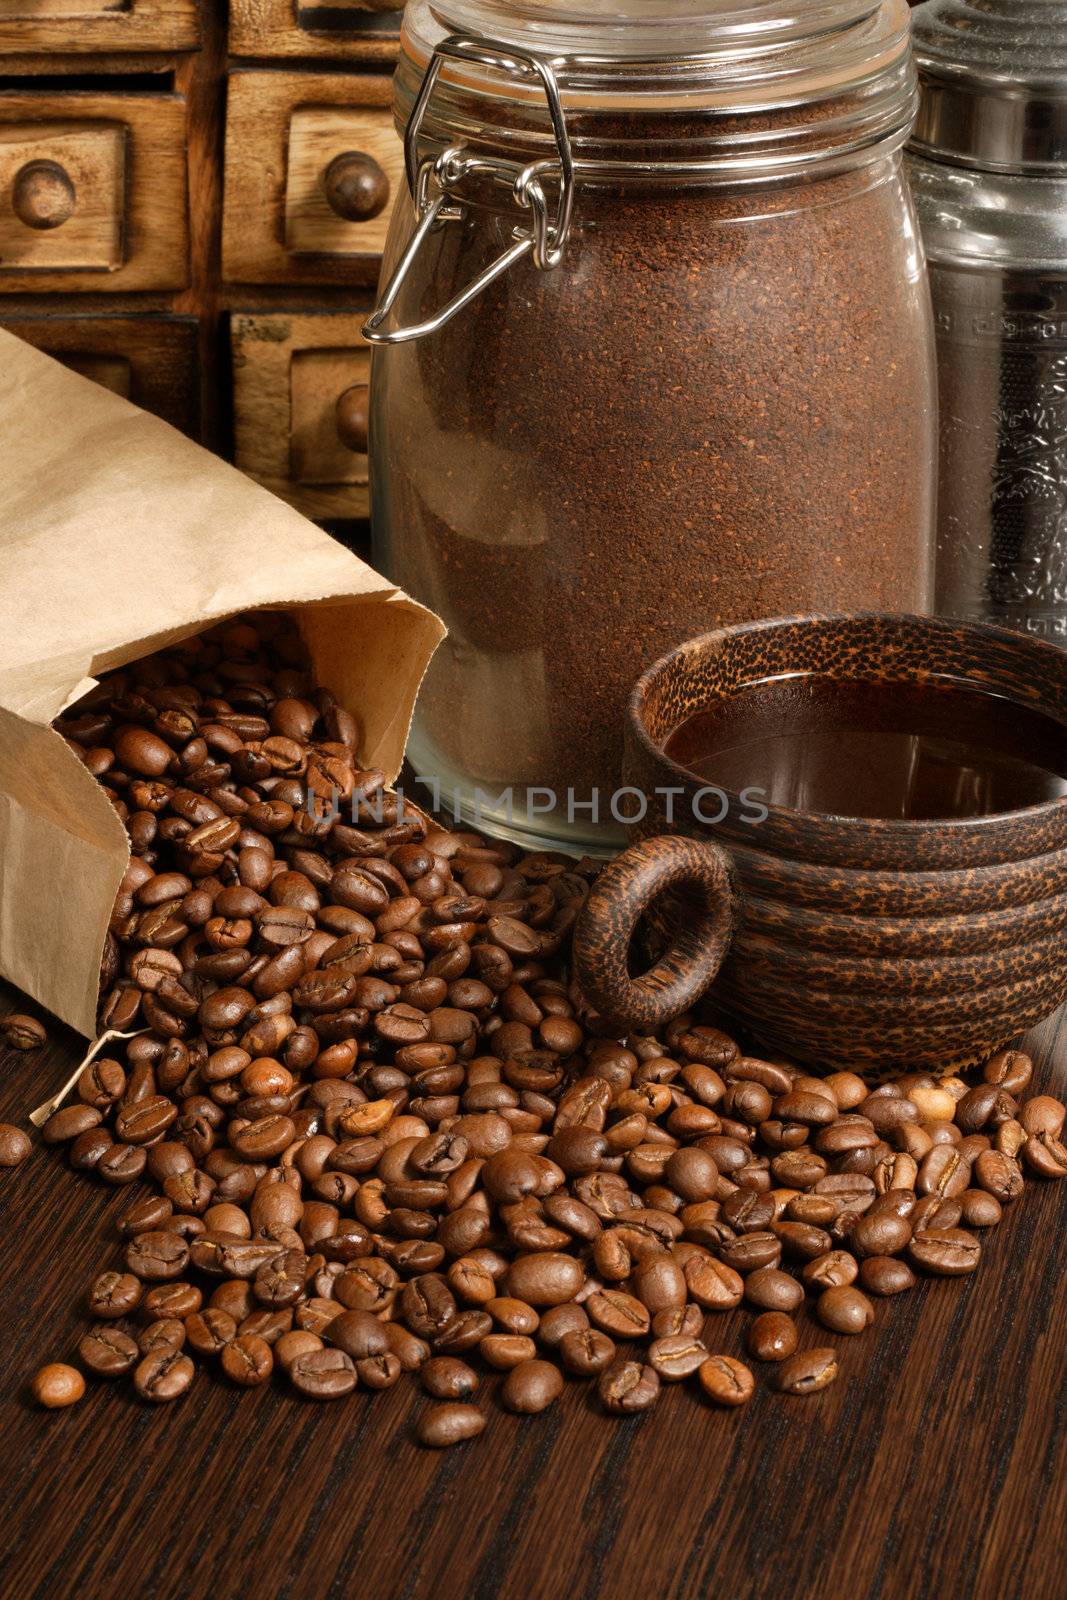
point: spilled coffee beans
(374, 1130)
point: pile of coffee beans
(376, 1131)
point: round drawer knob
(43, 195)
(356, 187)
(351, 414)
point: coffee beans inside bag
(121, 536)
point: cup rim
(842, 825)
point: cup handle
(623, 891)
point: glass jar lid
(651, 31)
(736, 83)
(994, 83)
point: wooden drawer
(314, 167)
(300, 395)
(97, 27)
(356, 30)
(151, 360)
(92, 192)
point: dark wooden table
(936, 1465)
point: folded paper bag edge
(63, 851)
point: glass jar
(988, 169)
(655, 354)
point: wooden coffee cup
(878, 945)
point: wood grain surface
(935, 1466)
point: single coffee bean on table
(58, 1385)
(808, 1371)
(15, 1145)
(21, 1032)
(727, 1381)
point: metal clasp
(542, 239)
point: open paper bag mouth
(120, 537)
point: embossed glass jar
(988, 167)
(656, 354)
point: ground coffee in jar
(690, 379)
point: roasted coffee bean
(976, 1108)
(14, 1145)
(209, 1331)
(87, 1151)
(677, 1356)
(531, 1386)
(379, 1372)
(506, 1350)
(1009, 1070)
(108, 1352)
(166, 1333)
(447, 1378)
(291, 1346)
(586, 1351)
(812, 1110)
(726, 1381)
(879, 1233)
(844, 1310)
(772, 1337)
(1045, 1155)
(885, 1275)
(807, 1372)
(58, 1385)
(145, 1216)
(801, 1241)
(143, 1121)
(68, 1123)
(947, 1252)
(628, 1386)
(114, 1294)
(446, 1425)
(834, 1270)
(103, 1081)
(155, 1256)
(979, 1209)
(773, 1290)
(751, 1252)
(463, 1333)
(323, 1374)
(619, 1314)
(163, 1375)
(1043, 1114)
(687, 1319)
(748, 1211)
(23, 1033)
(944, 1172)
(359, 1334)
(121, 1164)
(544, 1278)
(998, 1174)
(247, 1360)
(712, 1283)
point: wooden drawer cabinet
(97, 27)
(92, 193)
(175, 177)
(314, 167)
(357, 30)
(300, 407)
(151, 360)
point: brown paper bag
(119, 536)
